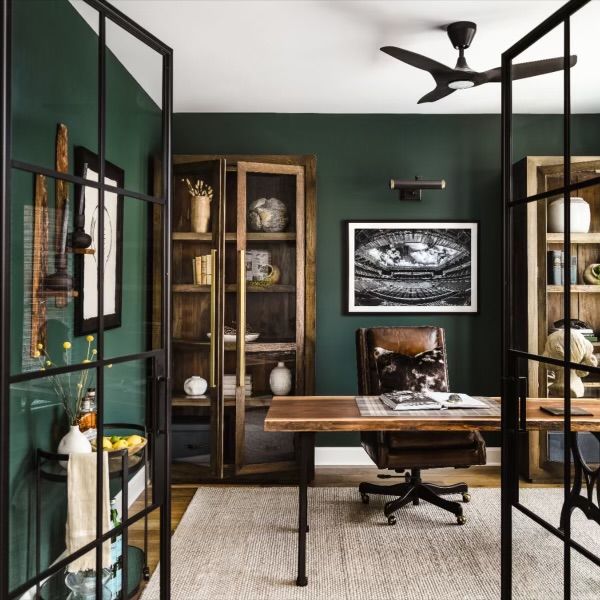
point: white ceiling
(323, 55)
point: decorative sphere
(267, 214)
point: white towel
(81, 509)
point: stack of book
(556, 268)
(229, 385)
(586, 332)
(202, 269)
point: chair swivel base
(414, 490)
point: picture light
(410, 189)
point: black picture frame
(82, 324)
(350, 306)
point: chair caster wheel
(391, 520)
(146, 574)
(461, 519)
(466, 497)
(365, 498)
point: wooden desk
(309, 414)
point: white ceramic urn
(73, 442)
(195, 386)
(280, 380)
(580, 216)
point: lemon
(134, 440)
(120, 445)
(106, 444)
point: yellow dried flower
(94, 351)
(67, 345)
(86, 360)
(89, 338)
(109, 366)
(36, 354)
(40, 346)
(48, 363)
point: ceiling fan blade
(528, 69)
(441, 91)
(418, 60)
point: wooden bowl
(131, 450)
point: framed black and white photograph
(412, 267)
(86, 265)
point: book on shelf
(202, 269)
(406, 400)
(556, 268)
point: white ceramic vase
(280, 380)
(580, 216)
(195, 386)
(73, 442)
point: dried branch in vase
(198, 188)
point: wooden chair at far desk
(307, 415)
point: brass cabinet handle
(213, 318)
(241, 319)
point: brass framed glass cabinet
(243, 310)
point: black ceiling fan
(449, 80)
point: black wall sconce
(410, 189)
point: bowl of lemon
(134, 444)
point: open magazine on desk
(429, 400)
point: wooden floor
(182, 495)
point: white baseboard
(355, 456)
(135, 489)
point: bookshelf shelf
(180, 399)
(190, 236)
(575, 289)
(190, 288)
(576, 238)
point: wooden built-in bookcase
(537, 304)
(223, 430)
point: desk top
(340, 413)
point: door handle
(213, 319)
(241, 319)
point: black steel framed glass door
(551, 241)
(84, 301)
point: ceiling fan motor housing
(461, 34)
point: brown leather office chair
(412, 358)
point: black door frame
(513, 394)
(161, 357)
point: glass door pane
(198, 244)
(268, 309)
(134, 73)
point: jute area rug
(240, 544)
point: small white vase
(580, 216)
(195, 386)
(73, 442)
(280, 380)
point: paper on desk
(466, 400)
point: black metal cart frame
(159, 358)
(513, 390)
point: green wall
(54, 80)
(356, 156)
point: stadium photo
(412, 267)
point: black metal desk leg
(304, 442)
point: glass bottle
(116, 556)
(87, 414)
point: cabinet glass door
(198, 255)
(268, 310)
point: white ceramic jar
(73, 442)
(280, 380)
(580, 216)
(195, 385)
